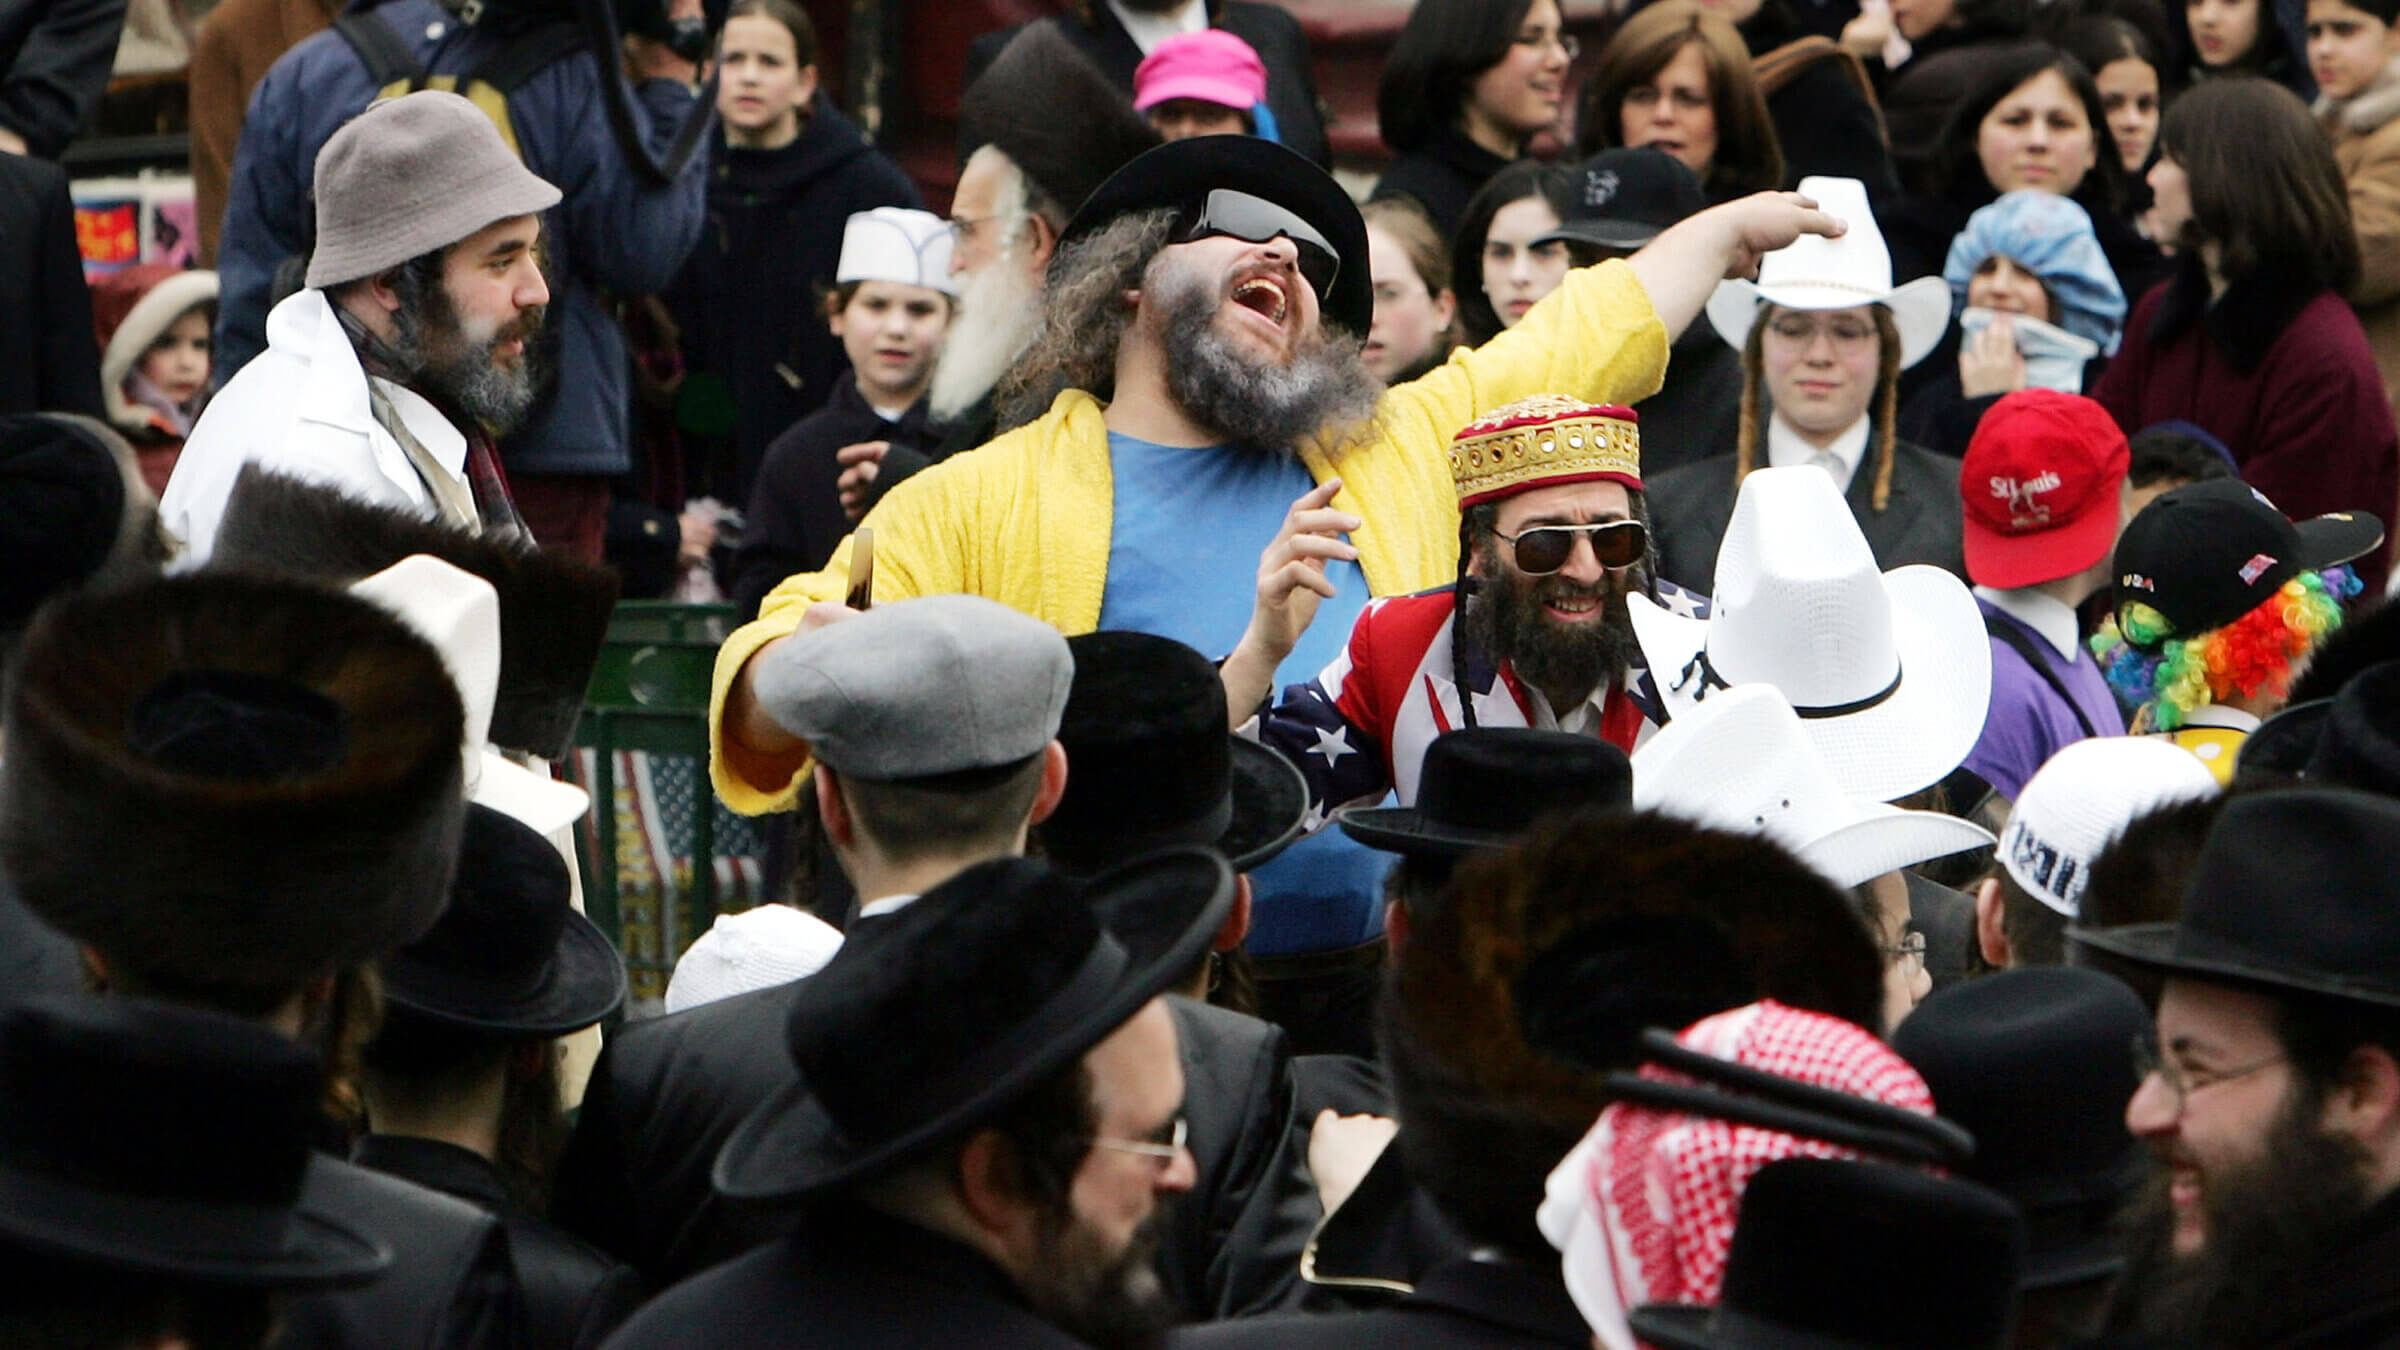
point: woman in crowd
(2354, 53)
(788, 171)
(1678, 77)
(1500, 258)
(2244, 37)
(2039, 309)
(1415, 311)
(153, 321)
(1466, 86)
(2125, 69)
(1820, 98)
(2251, 339)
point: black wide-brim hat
(930, 1021)
(1180, 174)
(2294, 891)
(510, 956)
(1483, 786)
(170, 1142)
(2283, 744)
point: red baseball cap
(2041, 485)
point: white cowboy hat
(1820, 273)
(459, 613)
(1743, 762)
(1891, 672)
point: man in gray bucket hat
(389, 376)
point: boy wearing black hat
(2271, 1096)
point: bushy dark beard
(2271, 1225)
(446, 363)
(1108, 1302)
(1324, 387)
(1505, 618)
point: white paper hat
(1891, 671)
(459, 613)
(2081, 800)
(1742, 762)
(1819, 273)
(894, 243)
(755, 949)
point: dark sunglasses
(1238, 215)
(1545, 548)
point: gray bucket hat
(411, 175)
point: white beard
(999, 316)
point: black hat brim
(1270, 805)
(159, 1237)
(792, 1146)
(1405, 830)
(584, 984)
(2151, 947)
(1624, 234)
(2089, 1258)
(2331, 540)
(2284, 743)
(1182, 173)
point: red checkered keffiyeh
(1644, 1206)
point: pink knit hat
(1211, 65)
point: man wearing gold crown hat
(1553, 535)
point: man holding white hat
(891, 305)
(390, 375)
(1823, 335)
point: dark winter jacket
(1442, 175)
(49, 361)
(55, 57)
(795, 514)
(616, 231)
(750, 298)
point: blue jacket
(615, 231)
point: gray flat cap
(941, 684)
(410, 175)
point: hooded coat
(749, 297)
(130, 310)
(2365, 129)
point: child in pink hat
(1208, 83)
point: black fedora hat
(510, 955)
(2294, 891)
(2283, 744)
(1833, 1255)
(1483, 785)
(1179, 175)
(2034, 1062)
(1150, 764)
(931, 1020)
(2359, 744)
(166, 1141)
(1624, 198)
(232, 779)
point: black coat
(55, 56)
(849, 1279)
(1269, 29)
(1697, 413)
(569, 1295)
(451, 1285)
(1442, 175)
(1466, 1303)
(1690, 508)
(35, 959)
(49, 361)
(750, 298)
(795, 515)
(667, 1093)
(1825, 122)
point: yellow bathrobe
(1026, 519)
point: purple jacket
(2028, 721)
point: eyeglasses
(2147, 1061)
(1542, 37)
(1846, 330)
(1238, 215)
(1177, 1132)
(1911, 946)
(1545, 548)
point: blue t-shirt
(1183, 563)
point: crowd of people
(1751, 709)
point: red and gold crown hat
(1543, 440)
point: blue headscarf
(2051, 237)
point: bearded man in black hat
(984, 1127)
(232, 793)
(2272, 1095)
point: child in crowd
(1208, 83)
(153, 321)
(1415, 311)
(2354, 53)
(890, 306)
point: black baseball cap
(1626, 198)
(2208, 553)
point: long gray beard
(999, 316)
(1324, 388)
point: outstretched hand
(1763, 222)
